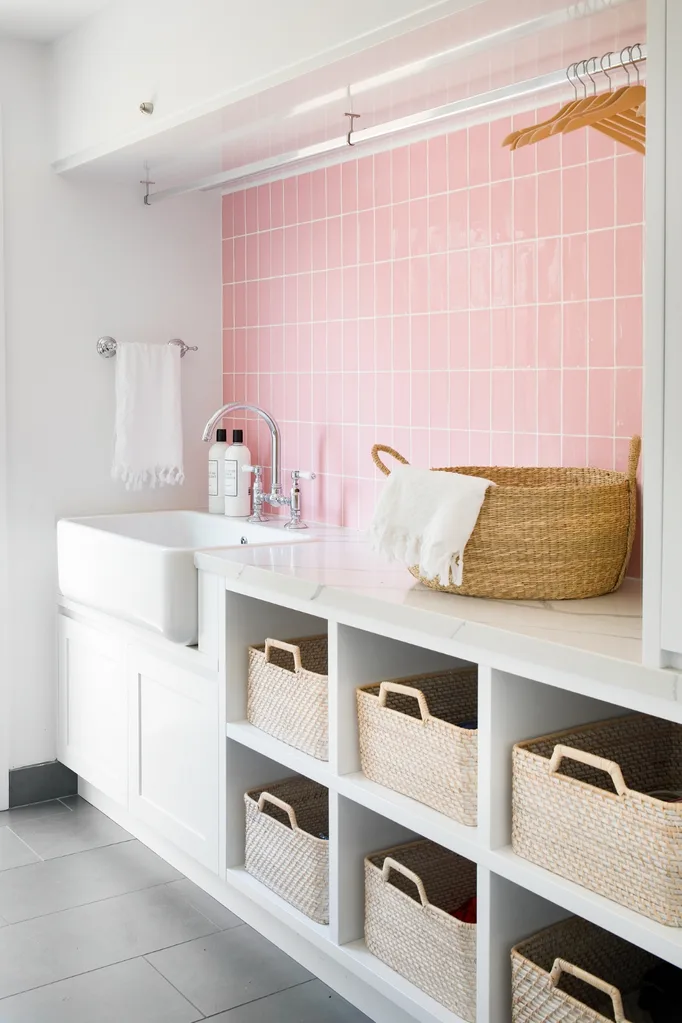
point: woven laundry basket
(287, 692)
(623, 844)
(410, 891)
(287, 843)
(575, 972)
(546, 534)
(410, 740)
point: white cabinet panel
(174, 753)
(93, 707)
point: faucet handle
(299, 474)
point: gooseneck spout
(235, 406)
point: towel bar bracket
(106, 347)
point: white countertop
(338, 572)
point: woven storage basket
(575, 972)
(287, 692)
(410, 891)
(622, 844)
(284, 849)
(546, 534)
(410, 742)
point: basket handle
(391, 864)
(633, 458)
(396, 687)
(389, 451)
(561, 966)
(601, 764)
(289, 647)
(267, 797)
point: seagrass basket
(545, 533)
(410, 893)
(411, 739)
(580, 808)
(287, 692)
(575, 972)
(287, 843)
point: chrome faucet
(275, 497)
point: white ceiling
(44, 20)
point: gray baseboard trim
(38, 782)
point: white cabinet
(175, 753)
(93, 707)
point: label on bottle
(212, 477)
(231, 478)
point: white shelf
(240, 878)
(256, 739)
(662, 941)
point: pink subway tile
(401, 398)
(290, 201)
(480, 338)
(349, 187)
(418, 176)
(305, 298)
(419, 285)
(383, 400)
(366, 236)
(251, 199)
(549, 204)
(479, 154)
(252, 295)
(439, 448)
(600, 452)
(600, 146)
(458, 220)
(333, 189)
(502, 275)
(401, 230)
(600, 421)
(228, 261)
(573, 147)
(228, 216)
(438, 223)
(525, 272)
(239, 213)
(228, 351)
(549, 401)
(291, 299)
(630, 189)
(240, 305)
(350, 292)
(334, 242)
(525, 208)
(317, 188)
(574, 262)
(366, 289)
(502, 401)
(550, 325)
(600, 255)
(501, 212)
(502, 327)
(438, 282)
(575, 334)
(382, 179)
(401, 343)
(228, 305)
(400, 174)
(525, 400)
(437, 158)
(419, 227)
(350, 346)
(439, 342)
(383, 345)
(500, 156)
(291, 249)
(349, 239)
(460, 401)
(480, 268)
(366, 400)
(383, 237)
(401, 286)
(525, 336)
(601, 194)
(276, 253)
(574, 451)
(549, 154)
(479, 448)
(574, 401)
(458, 160)
(319, 296)
(479, 392)
(304, 236)
(502, 449)
(549, 449)
(334, 296)
(524, 158)
(629, 260)
(574, 200)
(264, 267)
(479, 216)
(419, 341)
(319, 244)
(366, 183)
(549, 270)
(383, 286)
(305, 199)
(276, 204)
(600, 332)
(526, 449)
(458, 327)
(420, 448)
(629, 331)
(319, 346)
(459, 447)
(239, 258)
(628, 402)
(251, 257)
(419, 397)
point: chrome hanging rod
(107, 346)
(264, 169)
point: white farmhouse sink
(140, 566)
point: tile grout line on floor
(181, 993)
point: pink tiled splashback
(457, 301)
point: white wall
(187, 55)
(81, 262)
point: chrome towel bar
(106, 347)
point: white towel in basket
(426, 517)
(148, 449)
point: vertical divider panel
(246, 770)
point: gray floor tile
(76, 880)
(227, 969)
(202, 902)
(132, 992)
(308, 1003)
(51, 948)
(64, 833)
(14, 852)
(33, 810)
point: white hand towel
(148, 448)
(425, 518)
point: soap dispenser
(216, 474)
(237, 501)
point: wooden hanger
(628, 98)
(514, 138)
